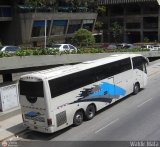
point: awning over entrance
(111, 2)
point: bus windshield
(34, 89)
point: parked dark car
(9, 48)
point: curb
(8, 114)
(25, 130)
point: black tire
(78, 118)
(136, 88)
(90, 112)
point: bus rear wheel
(136, 88)
(90, 112)
(78, 118)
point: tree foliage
(83, 37)
(99, 25)
(36, 3)
(116, 31)
(101, 10)
(146, 39)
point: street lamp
(45, 30)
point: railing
(27, 9)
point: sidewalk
(11, 121)
(11, 126)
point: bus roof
(54, 73)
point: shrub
(26, 52)
(52, 51)
(83, 37)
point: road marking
(112, 122)
(1, 130)
(144, 102)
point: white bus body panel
(70, 102)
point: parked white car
(148, 46)
(155, 47)
(64, 47)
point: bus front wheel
(78, 118)
(90, 112)
(136, 88)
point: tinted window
(76, 80)
(8, 49)
(56, 46)
(11, 48)
(33, 89)
(138, 63)
(71, 47)
(65, 46)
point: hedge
(49, 51)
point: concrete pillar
(124, 25)
(94, 24)
(141, 29)
(159, 24)
(67, 27)
(109, 21)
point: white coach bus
(56, 98)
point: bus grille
(61, 118)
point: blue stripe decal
(105, 92)
(110, 89)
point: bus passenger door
(107, 89)
(123, 83)
(139, 70)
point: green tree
(116, 31)
(92, 5)
(101, 10)
(40, 3)
(99, 25)
(51, 42)
(146, 39)
(83, 37)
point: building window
(38, 28)
(120, 21)
(133, 25)
(133, 9)
(152, 36)
(5, 11)
(74, 25)
(116, 10)
(150, 22)
(88, 24)
(151, 8)
(59, 27)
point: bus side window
(138, 63)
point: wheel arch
(93, 105)
(137, 83)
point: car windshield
(143, 46)
(1, 47)
(56, 46)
